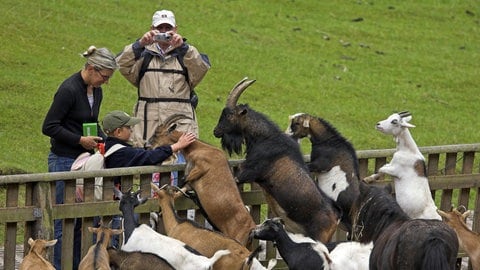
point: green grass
(308, 56)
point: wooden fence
(29, 208)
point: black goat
(275, 162)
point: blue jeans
(62, 164)
(180, 160)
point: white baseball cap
(163, 16)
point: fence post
(43, 226)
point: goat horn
(164, 186)
(466, 214)
(181, 191)
(171, 119)
(404, 114)
(237, 91)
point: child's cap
(118, 119)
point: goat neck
(128, 202)
(405, 142)
(165, 200)
(129, 223)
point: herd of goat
(308, 201)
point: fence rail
(29, 208)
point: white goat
(351, 255)
(144, 239)
(407, 168)
(35, 258)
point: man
(174, 69)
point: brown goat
(135, 260)
(97, 255)
(468, 239)
(208, 172)
(205, 241)
(35, 258)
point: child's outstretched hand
(185, 140)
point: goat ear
(405, 120)
(31, 241)
(172, 128)
(51, 243)
(243, 111)
(407, 125)
(117, 231)
(466, 214)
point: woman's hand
(89, 142)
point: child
(117, 126)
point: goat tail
(219, 254)
(439, 255)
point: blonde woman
(76, 102)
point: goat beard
(232, 143)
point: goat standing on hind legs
(407, 168)
(208, 173)
(333, 161)
(274, 161)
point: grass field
(349, 62)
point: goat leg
(373, 178)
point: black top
(69, 110)
(131, 156)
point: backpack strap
(113, 149)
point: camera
(162, 37)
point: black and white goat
(274, 161)
(144, 239)
(300, 252)
(407, 168)
(333, 161)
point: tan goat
(35, 258)
(97, 256)
(205, 241)
(208, 172)
(468, 239)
